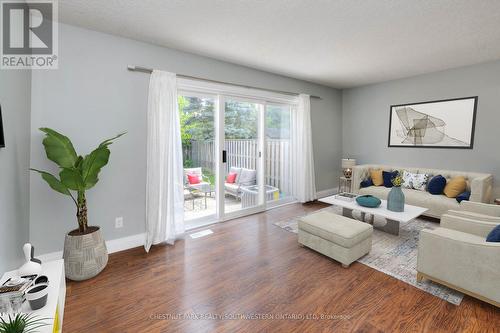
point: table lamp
(347, 165)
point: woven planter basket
(85, 256)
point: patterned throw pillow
(420, 181)
(407, 179)
(416, 181)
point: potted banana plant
(85, 254)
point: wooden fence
(243, 154)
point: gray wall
(14, 164)
(92, 96)
(366, 119)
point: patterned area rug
(394, 255)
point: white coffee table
(393, 218)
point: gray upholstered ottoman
(338, 237)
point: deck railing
(243, 154)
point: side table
(345, 184)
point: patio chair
(197, 172)
(244, 177)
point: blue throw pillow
(463, 196)
(388, 176)
(494, 235)
(366, 183)
(437, 185)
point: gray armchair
(457, 255)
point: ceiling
(336, 43)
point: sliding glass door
(242, 155)
(236, 155)
(197, 116)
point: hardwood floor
(249, 266)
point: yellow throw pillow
(455, 186)
(377, 178)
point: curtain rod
(149, 71)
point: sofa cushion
(377, 191)
(336, 228)
(455, 186)
(377, 178)
(388, 176)
(463, 196)
(436, 185)
(407, 179)
(366, 183)
(494, 235)
(420, 181)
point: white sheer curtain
(164, 183)
(303, 179)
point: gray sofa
(244, 177)
(480, 185)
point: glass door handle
(224, 156)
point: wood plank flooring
(251, 267)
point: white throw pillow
(420, 181)
(407, 179)
(416, 181)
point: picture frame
(447, 123)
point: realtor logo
(29, 34)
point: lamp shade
(348, 163)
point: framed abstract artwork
(435, 124)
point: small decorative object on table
(497, 201)
(368, 201)
(346, 196)
(347, 165)
(396, 197)
(32, 265)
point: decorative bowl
(368, 201)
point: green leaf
(107, 142)
(59, 148)
(95, 161)
(72, 179)
(92, 165)
(53, 182)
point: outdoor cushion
(455, 186)
(247, 177)
(231, 177)
(237, 171)
(193, 179)
(192, 171)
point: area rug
(394, 255)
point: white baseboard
(114, 245)
(326, 193)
